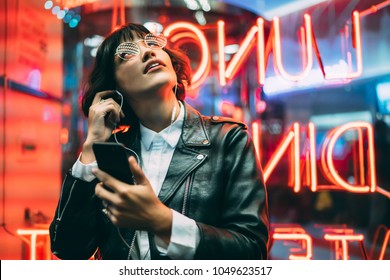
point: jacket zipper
(186, 190)
(59, 213)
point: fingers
(139, 175)
(103, 193)
(117, 185)
(111, 202)
(109, 211)
(111, 109)
(102, 95)
(114, 186)
(108, 106)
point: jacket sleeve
(243, 229)
(73, 233)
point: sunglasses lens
(155, 41)
(127, 50)
(130, 50)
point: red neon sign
(341, 243)
(307, 51)
(73, 3)
(256, 36)
(191, 30)
(327, 158)
(297, 234)
(300, 243)
(31, 240)
(307, 163)
(339, 237)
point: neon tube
(343, 239)
(336, 133)
(205, 61)
(308, 48)
(297, 236)
(359, 56)
(33, 238)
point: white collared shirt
(157, 150)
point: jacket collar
(194, 131)
(185, 159)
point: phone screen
(112, 159)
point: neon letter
(292, 138)
(203, 68)
(385, 242)
(344, 244)
(359, 56)
(310, 158)
(308, 48)
(297, 236)
(33, 238)
(256, 139)
(327, 158)
(242, 52)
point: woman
(199, 191)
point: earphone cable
(116, 140)
(132, 244)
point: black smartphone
(112, 159)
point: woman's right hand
(103, 114)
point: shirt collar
(170, 134)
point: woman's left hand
(134, 206)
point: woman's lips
(152, 65)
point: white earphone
(116, 140)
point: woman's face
(149, 73)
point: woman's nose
(147, 53)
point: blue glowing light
(73, 23)
(48, 5)
(55, 10)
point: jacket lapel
(186, 157)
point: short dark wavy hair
(102, 76)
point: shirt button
(205, 142)
(200, 157)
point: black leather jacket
(214, 178)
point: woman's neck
(156, 114)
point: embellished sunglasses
(130, 50)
